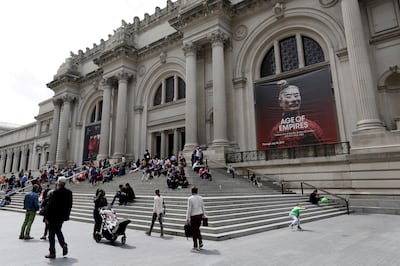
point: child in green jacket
(295, 215)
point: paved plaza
(355, 239)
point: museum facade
(209, 74)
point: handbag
(188, 230)
(205, 221)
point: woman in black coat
(99, 202)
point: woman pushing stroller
(99, 202)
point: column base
(220, 143)
(369, 124)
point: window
(293, 52)
(171, 89)
(96, 113)
(157, 97)
(181, 89)
(169, 82)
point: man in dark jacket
(31, 205)
(58, 211)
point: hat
(62, 180)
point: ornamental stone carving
(328, 3)
(163, 57)
(189, 49)
(141, 70)
(278, 10)
(217, 37)
(240, 33)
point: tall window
(95, 115)
(292, 52)
(171, 89)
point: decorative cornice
(63, 80)
(199, 11)
(160, 45)
(120, 52)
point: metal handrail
(326, 192)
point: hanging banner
(92, 142)
(297, 111)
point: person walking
(158, 212)
(99, 202)
(194, 215)
(43, 208)
(31, 205)
(295, 215)
(58, 212)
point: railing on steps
(318, 150)
(326, 192)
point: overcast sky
(38, 35)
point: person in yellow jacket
(295, 215)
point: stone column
(163, 145)
(175, 150)
(31, 157)
(9, 160)
(219, 90)
(61, 154)
(138, 142)
(23, 158)
(120, 122)
(54, 132)
(360, 67)
(15, 160)
(191, 97)
(2, 160)
(105, 121)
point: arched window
(171, 89)
(95, 115)
(293, 52)
(157, 97)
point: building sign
(92, 142)
(297, 111)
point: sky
(37, 37)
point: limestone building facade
(187, 76)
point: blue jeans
(55, 229)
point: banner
(92, 142)
(297, 111)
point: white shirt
(158, 205)
(195, 206)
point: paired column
(61, 154)
(16, 160)
(105, 121)
(54, 132)
(23, 158)
(2, 161)
(219, 89)
(120, 123)
(9, 160)
(163, 150)
(191, 97)
(360, 67)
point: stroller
(111, 228)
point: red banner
(297, 111)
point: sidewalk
(345, 240)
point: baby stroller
(111, 228)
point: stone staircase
(235, 207)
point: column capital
(189, 49)
(105, 83)
(218, 37)
(124, 75)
